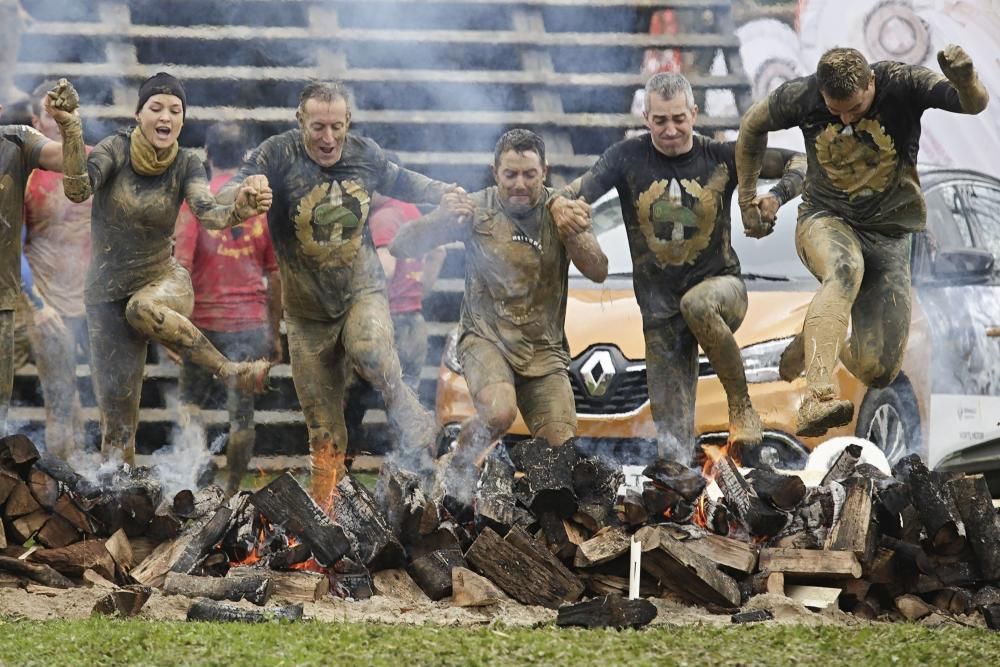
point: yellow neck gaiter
(146, 159)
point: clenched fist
(254, 197)
(956, 64)
(62, 102)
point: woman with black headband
(135, 290)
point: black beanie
(161, 83)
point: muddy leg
(713, 310)
(368, 338)
(240, 404)
(411, 345)
(831, 250)
(6, 365)
(159, 311)
(118, 358)
(672, 377)
(548, 407)
(319, 371)
(55, 356)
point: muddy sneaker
(822, 410)
(793, 360)
(744, 427)
(246, 376)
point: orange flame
(254, 554)
(700, 517)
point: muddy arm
(787, 165)
(751, 147)
(419, 237)
(586, 254)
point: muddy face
(853, 108)
(160, 120)
(324, 129)
(520, 179)
(670, 123)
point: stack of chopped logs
(549, 527)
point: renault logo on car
(597, 372)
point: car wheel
(889, 418)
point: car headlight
(761, 360)
(450, 354)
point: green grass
(110, 642)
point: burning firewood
(298, 585)
(974, 502)
(683, 571)
(544, 479)
(256, 589)
(606, 545)
(432, 572)
(372, 540)
(934, 504)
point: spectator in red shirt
(237, 294)
(407, 282)
(57, 250)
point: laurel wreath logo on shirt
(328, 225)
(677, 234)
(854, 166)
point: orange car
(608, 373)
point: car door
(957, 279)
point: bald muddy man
(22, 149)
(861, 202)
(511, 345)
(675, 189)
(333, 288)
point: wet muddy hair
(669, 85)
(842, 72)
(520, 141)
(324, 91)
(225, 145)
(39, 92)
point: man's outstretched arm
(957, 67)
(751, 147)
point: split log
(605, 546)
(522, 571)
(72, 560)
(120, 549)
(299, 586)
(814, 597)
(153, 569)
(190, 505)
(18, 453)
(725, 551)
(853, 530)
(610, 611)
(632, 508)
(909, 552)
(8, 480)
(495, 504)
(63, 473)
(165, 524)
(372, 540)
(677, 477)
(600, 583)
(547, 480)
(255, 589)
(24, 528)
(775, 583)
(210, 610)
(352, 580)
(682, 570)
(206, 538)
(20, 502)
(125, 602)
(432, 573)
(811, 563)
(468, 589)
(39, 572)
(57, 532)
(781, 491)
(954, 600)
(912, 608)
(43, 488)
(69, 510)
(843, 466)
(97, 581)
(286, 503)
(982, 524)
(935, 506)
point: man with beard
(675, 188)
(22, 150)
(511, 346)
(861, 202)
(333, 287)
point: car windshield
(769, 259)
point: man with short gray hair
(333, 288)
(674, 188)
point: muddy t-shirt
(133, 217)
(318, 220)
(676, 212)
(516, 281)
(866, 171)
(56, 242)
(20, 150)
